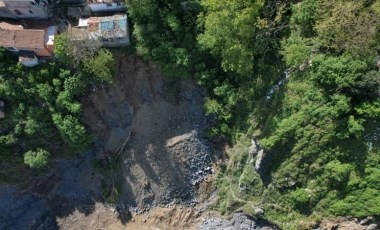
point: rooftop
(22, 38)
(29, 38)
(108, 27)
(7, 38)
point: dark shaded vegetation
(42, 112)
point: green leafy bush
(36, 159)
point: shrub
(36, 159)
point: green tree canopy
(230, 32)
(36, 159)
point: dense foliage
(319, 127)
(322, 134)
(42, 111)
(166, 33)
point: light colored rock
(366, 220)
(372, 227)
(259, 159)
(253, 148)
(178, 139)
(259, 211)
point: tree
(339, 74)
(100, 66)
(36, 159)
(74, 52)
(347, 25)
(165, 32)
(304, 17)
(296, 51)
(72, 131)
(31, 126)
(230, 32)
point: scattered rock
(254, 148)
(239, 221)
(372, 227)
(259, 160)
(366, 221)
(259, 212)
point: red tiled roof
(7, 38)
(29, 38)
(22, 38)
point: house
(25, 9)
(28, 44)
(111, 31)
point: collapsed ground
(165, 161)
(166, 154)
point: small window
(31, 12)
(18, 12)
(119, 3)
(108, 4)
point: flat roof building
(111, 31)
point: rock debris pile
(239, 221)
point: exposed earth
(150, 159)
(165, 153)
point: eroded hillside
(165, 158)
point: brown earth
(173, 218)
(166, 156)
(165, 170)
(166, 153)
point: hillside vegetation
(42, 113)
(319, 127)
(301, 77)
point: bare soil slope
(166, 154)
(165, 167)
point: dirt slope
(165, 167)
(166, 154)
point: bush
(100, 66)
(299, 198)
(36, 159)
